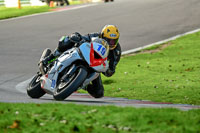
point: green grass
(75, 2)
(6, 13)
(60, 118)
(171, 75)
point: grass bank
(62, 118)
(6, 13)
(168, 75)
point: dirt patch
(151, 51)
(158, 49)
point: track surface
(80, 98)
(141, 22)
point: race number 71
(102, 49)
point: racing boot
(96, 89)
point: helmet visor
(112, 43)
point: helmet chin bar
(112, 43)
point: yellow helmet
(111, 34)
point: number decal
(102, 49)
(100, 46)
(53, 83)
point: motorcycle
(72, 70)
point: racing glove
(109, 72)
(47, 59)
(76, 37)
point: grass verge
(95, 119)
(6, 13)
(168, 75)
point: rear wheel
(68, 86)
(34, 89)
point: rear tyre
(34, 89)
(70, 85)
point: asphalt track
(140, 22)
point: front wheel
(34, 89)
(70, 85)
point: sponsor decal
(74, 55)
(88, 45)
(113, 35)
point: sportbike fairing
(94, 53)
(49, 80)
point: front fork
(45, 53)
(41, 67)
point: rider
(111, 34)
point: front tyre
(70, 85)
(34, 89)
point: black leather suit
(96, 89)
